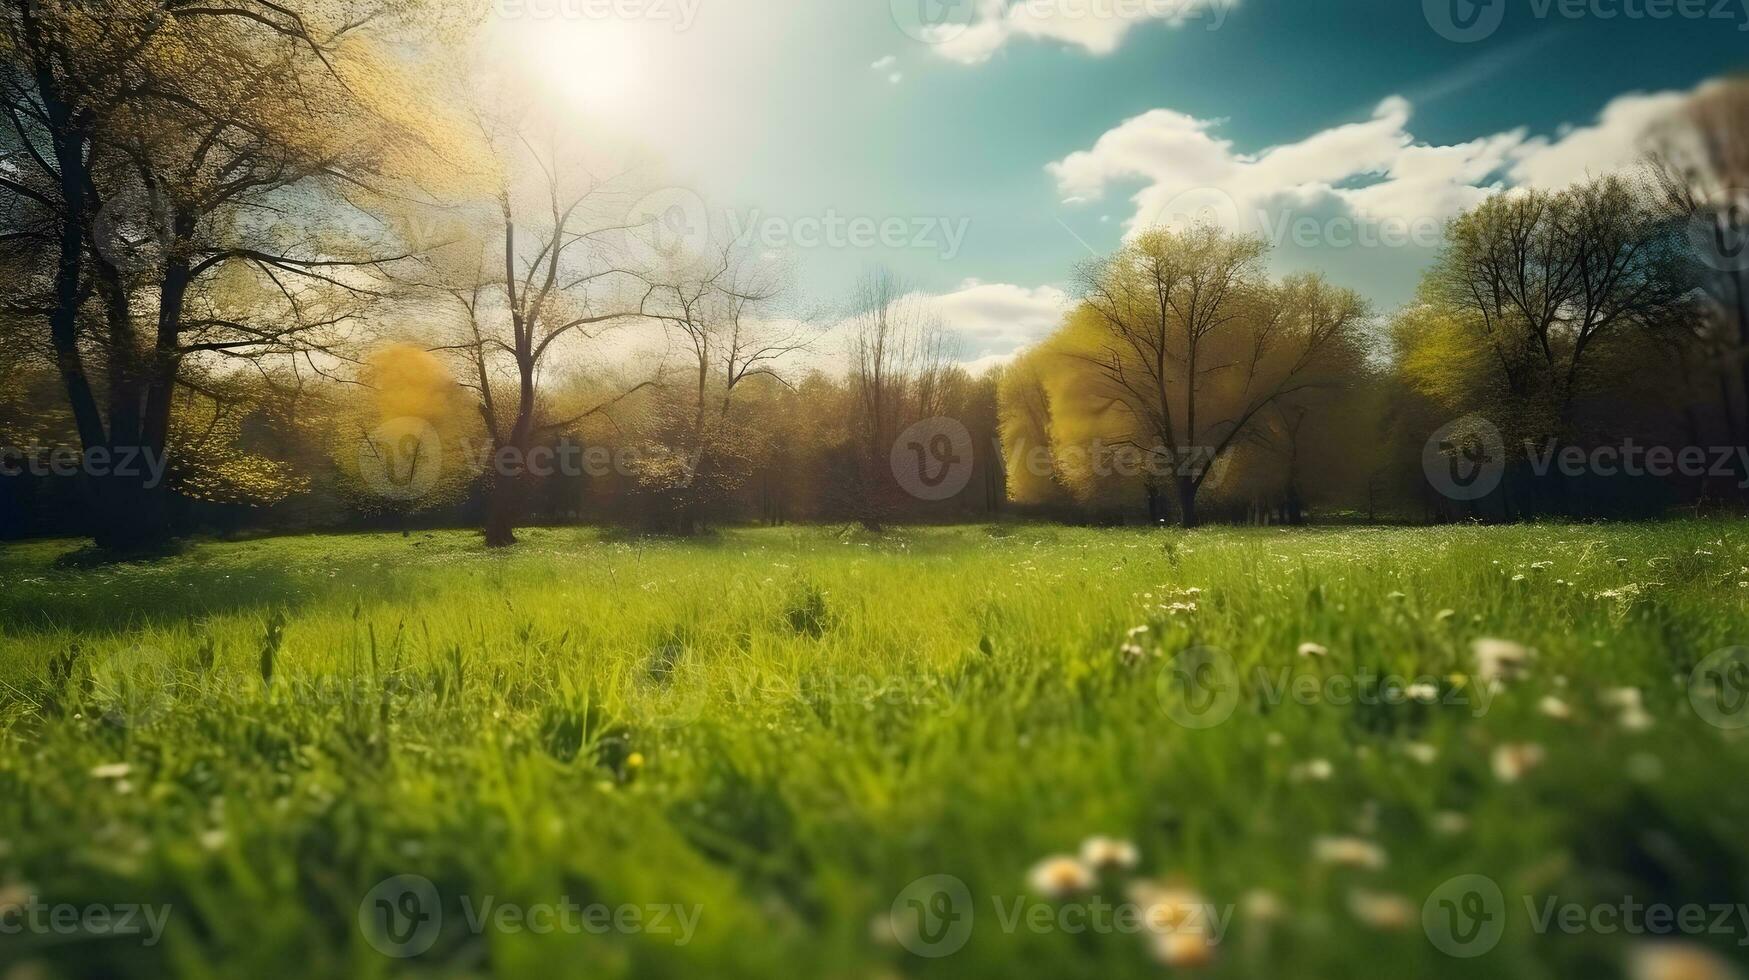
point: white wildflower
(1059, 877)
(1623, 698)
(1108, 853)
(1184, 948)
(1450, 823)
(1512, 761)
(1349, 852)
(1382, 910)
(1501, 660)
(1681, 960)
(1421, 752)
(1261, 905)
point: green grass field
(763, 739)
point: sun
(596, 67)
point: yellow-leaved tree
(409, 438)
(1181, 351)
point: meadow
(808, 752)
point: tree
(1701, 162)
(1543, 278)
(400, 437)
(1179, 344)
(183, 158)
(1534, 300)
(1024, 415)
(555, 276)
(899, 361)
(721, 316)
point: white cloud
(987, 323)
(1096, 26)
(1374, 170)
(888, 65)
(982, 365)
(998, 318)
(1615, 142)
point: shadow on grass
(87, 590)
(704, 537)
(92, 556)
(167, 598)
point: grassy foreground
(766, 739)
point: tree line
(267, 271)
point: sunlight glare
(597, 66)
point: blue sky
(1034, 127)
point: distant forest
(252, 284)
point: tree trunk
(111, 517)
(1186, 502)
(142, 393)
(1740, 282)
(504, 503)
(1733, 422)
(502, 507)
(131, 516)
